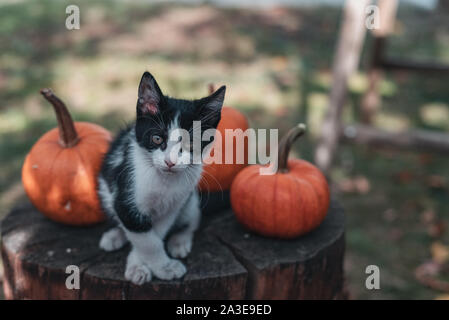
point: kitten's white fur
(166, 196)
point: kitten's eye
(157, 139)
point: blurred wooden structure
(346, 60)
(227, 262)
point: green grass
(276, 65)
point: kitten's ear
(150, 96)
(209, 108)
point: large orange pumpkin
(59, 173)
(219, 176)
(286, 204)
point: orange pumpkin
(291, 202)
(219, 176)
(59, 173)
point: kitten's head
(164, 125)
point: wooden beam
(371, 99)
(423, 66)
(387, 16)
(418, 140)
(346, 60)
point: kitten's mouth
(168, 171)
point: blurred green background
(276, 62)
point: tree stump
(227, 261)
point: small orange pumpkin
(219, 177)
(287, 204)
(59, 173)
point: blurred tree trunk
(419, 140)
(443, 5)
(371, 100)
(349, 47)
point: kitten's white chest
(153, 196)
(158, 194)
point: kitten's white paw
(137, 273)
(173, 269)
(113, 239)
(179, 245)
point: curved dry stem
(286, 143)
(68, 137)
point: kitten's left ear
(209, 108)
(150, 96)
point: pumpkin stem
(68, 137)
(286, 143)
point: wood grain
(227, 261)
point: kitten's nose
(169, 163)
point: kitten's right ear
(150, 96)
(209, 108)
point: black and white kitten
(148, 182)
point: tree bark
(227, 262)
(371, 100)
(346, 60)
(419, 140)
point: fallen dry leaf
(437, 229)
(362, 184)
(429, 268)
(359, 184)
(428, 216)
(436, 181)
(390, 215)
(404, 176)
(427, 274)
(425, 158)
(440, 252)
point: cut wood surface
(227, 261)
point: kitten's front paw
(113, 239)
(173, 269)
(137, 273)
(179, 245)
